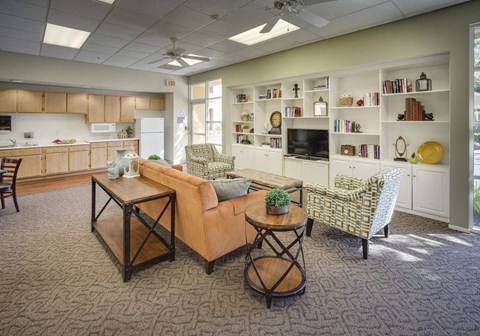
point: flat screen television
(308, 143)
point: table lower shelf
(111, 231)
(271, 268)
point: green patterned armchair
(359, 207)
(206, 162)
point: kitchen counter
(43, 144)
(105, 140)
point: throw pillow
(162, 162)
(230, 188)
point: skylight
(64, 36)
(253, 35)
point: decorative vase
(277, 210)
(120, 162)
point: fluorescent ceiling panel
(188, 60)
(254, 36)
(65, 37)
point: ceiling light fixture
(107, 1)
(253, 35)
(64, 36)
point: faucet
(13, 141)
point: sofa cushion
(230, 188)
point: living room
(65, 281)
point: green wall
(445, 30)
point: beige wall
(441, 31)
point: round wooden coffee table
(281, 273)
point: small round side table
(281, 273)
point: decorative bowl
(431, 152)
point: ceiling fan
(178, 54)
(295, 7)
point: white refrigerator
(151, 134)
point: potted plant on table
(277, 202)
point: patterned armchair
(206, 162)
(359, 207)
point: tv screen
(308, 143)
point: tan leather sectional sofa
(209, 227)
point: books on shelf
(414, 110)
(293, 111)
(276, 143)
(399, 85)
(369, 151)
(345, 126)
(371, 99)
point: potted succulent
(277, 202)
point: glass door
(476, 128)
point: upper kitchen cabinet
(112, 109)
(127, 110)
(77, 103)
(55, 102)
(96, 108)
(8, 100)
(29, 101)
(150, 103)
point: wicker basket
(346, 101)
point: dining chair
(8, 180)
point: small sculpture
(428, 117)
(360, 102)
(295, 89)
(112, 170)
(400, 116)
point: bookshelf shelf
(354, 134)
(415, 93)
(354, 107)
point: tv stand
(309, 169)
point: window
(476, 129)
(206, 113)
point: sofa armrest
(198, 159)
(225, 158)
(177, 167)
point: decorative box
(347, 150)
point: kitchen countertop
(42, 144)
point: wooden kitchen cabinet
(31, 165)
(96, 108)
(142, 103)
(112, 147)
(127, 109)
(98, 155)
(128, 143)
(150, 103)
(29, 101)
(77, 103)
(157, 104)
(79, 158)
(8, 100)
(55, 102)
(112, 109)
(56, 160)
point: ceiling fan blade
(270, 24)
(198, 58)
(312, 18)
(158, 60)
(182, 62)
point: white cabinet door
(363, 169)
(260, 159)
(340, 166)
(404, 198)
(431, 190)
(292, 168)
(315, 172)
(269, 161)
(243, 157)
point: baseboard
(422, 214)
(458, 228)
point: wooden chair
(8, 180)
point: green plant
(154, 157)
(277, 197)
(476, 200)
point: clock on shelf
(276, 121)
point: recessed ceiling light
(253, 35)
(64, 36)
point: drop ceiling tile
(169, 29)
(72, 21)
(212, 53)
(334, 9)
(375, 15)
(24, 10)
(219, 7)
(155, 9)
(16, 22)
(222, 28)
(335, 27)
(132, 54)
(160, 70)
(227, 46)
(117, 31)
(100, 48)
(21, 34)
(108, 41)
(131, 20)
(203, 39)
(20, 46)
(287, 41)
(120, 61)
(155, 40)
(248, 17)
(188, 17)
(43, 3)
(95, 10)
(49, 50)
(245, 54)
(141, 48)
(410, 8)
(91, 57)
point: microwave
(5, 124)
(103, 128)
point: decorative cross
(296, 88)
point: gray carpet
(56, 278)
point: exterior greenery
(154, 157)
(277, 197)
(476, 200)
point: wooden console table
(283, 273)
(129, 237)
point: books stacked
(414, 110)
(399, 85)
(343, 126)
(369, 151)
(293, 111)
(276, 143)
(371, 99)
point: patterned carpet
(56, 278)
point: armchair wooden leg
(365, 248)
(385, 231)
(309, 226)
(209, 266)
